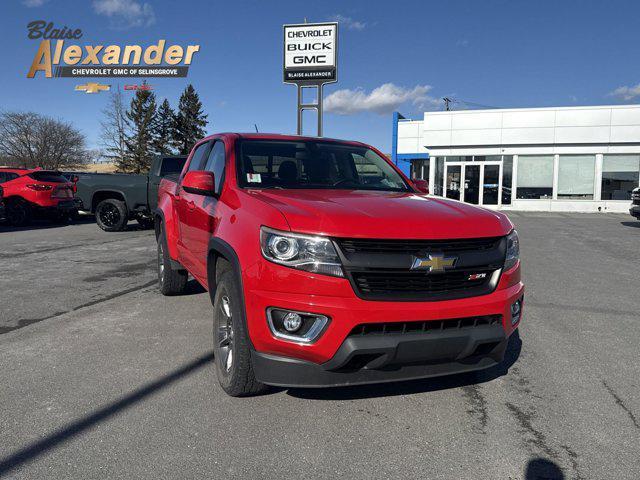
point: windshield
(314, 164)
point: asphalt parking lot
(101, 376)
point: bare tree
(114, 131)
(31, 140)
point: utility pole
(447, 101)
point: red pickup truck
(326, 266)
(35, 192)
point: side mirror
(200, 183)
(421, 185)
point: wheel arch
(219, 249)
(101, 195)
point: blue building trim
(402, 160)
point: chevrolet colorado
(326, 266)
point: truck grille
(412, 246)
(395, 328)
(408, 284)
(381, 269)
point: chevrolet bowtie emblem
(92, 87)
(434, 263)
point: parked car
(326, 266)
(116, 198)
(2, 210)
(30, 193)
(635, 203)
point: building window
(535, 176)
(620, 174)
(576, 176)
(507, 176)
(420, 169)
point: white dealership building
(546, 159)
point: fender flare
(220, 248)
(158, 216)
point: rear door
(184, 206)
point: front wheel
(231, 341)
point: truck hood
(373, 214)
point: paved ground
(100, 376)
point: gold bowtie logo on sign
(433, 263)
(92, 87)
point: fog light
(516, 310)
(294, 326)
(292, 322)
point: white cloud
(349, 23)
(462, 43)
(34, 3)
(125, 13)
(382, 100)
(626, 93)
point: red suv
(36, 192)
(326, 266)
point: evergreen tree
(163, 130)
(189, 121)
(140, 120)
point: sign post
(310, 61)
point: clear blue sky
(497, 53)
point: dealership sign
(311, 53)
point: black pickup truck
(116, 198)
(635, 203)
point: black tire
(18, 213)
(170, 282)
(146, 222)
(230, 339)
(112, 215)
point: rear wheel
(18, 213)
(231, 341)
(170, 281)
(112, 215)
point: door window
(491, 185)
(215, 163)
(453, 181)
(198, 157)
(472, 184)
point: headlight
(304, 252)
(513, 250)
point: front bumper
(635, 211)
(388, 358)
(328, 361)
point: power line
(448, 101)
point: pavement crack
(622, 405)
(29, 321)
(526, 422)
(573, 459)
(477, 405)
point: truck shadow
(631, 224)
(44, 225)
(512, 354)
